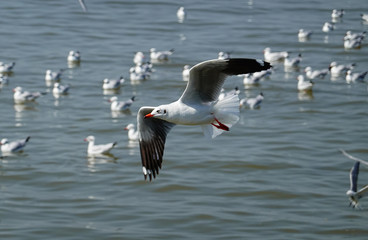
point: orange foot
(220, 125)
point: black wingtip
(245, 65)
(27, 139)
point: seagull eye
(164, 111)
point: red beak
(149, 115)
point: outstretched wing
(207, 78)
(83, 5)
(354, 172)
(152, 137)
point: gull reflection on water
(96, 159)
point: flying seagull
(353, 193)
(198, 105)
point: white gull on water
(198, 105)
(93, 149)
(14, 146)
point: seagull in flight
(353, 193)
(198, 105)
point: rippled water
(277, 174)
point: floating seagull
(339, 69)
(6, 68)
(353, 43)
(21, 96)
(223, 55)
(134, 76)
(160, 56)
(120, 106)
(255, 78)
(293, 62)
(60, 89)
(224, 94)
(139, 58)
(83, 5)
(313, 74)
(304, 35)
(98, 149)
(144, 68)
(15, 146)
(198, 105)
(112, 84)
(328, 27)
(132, 133)
(337, 13)
(274, 56)
(252, 103)
(74, 56)
(53, 76)
(349, 35)
(185, 72)
(304, 85)
(355, 77)
(181, 14)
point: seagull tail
(226, 111)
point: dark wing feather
(207, 78)
(354, 172)
(152, 137)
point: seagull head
(158, 112)
(4, 141)
(89, 139)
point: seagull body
(144, 68)
(21, 96)
(293, 62)
(15, 146)
(304, 34)
(185, 72)
(328, 27)
(304, 85)
(357, 36)
(274, 56)
(313, 74)
(353, 43)
(255, 78)
(339, 69)
(364, 17)
(139, 58)
(74, 56)
(6, 68)
(160, 56)
(224, 94)
(223, 55)
(337, 13)
(252, 103)
(198, 105)
(98, 149)
(355, 77)
(133, 134)
(120, 106)
(181, 14)
(60, 89)
(53, 76)
(112, 84)
(134, 76)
